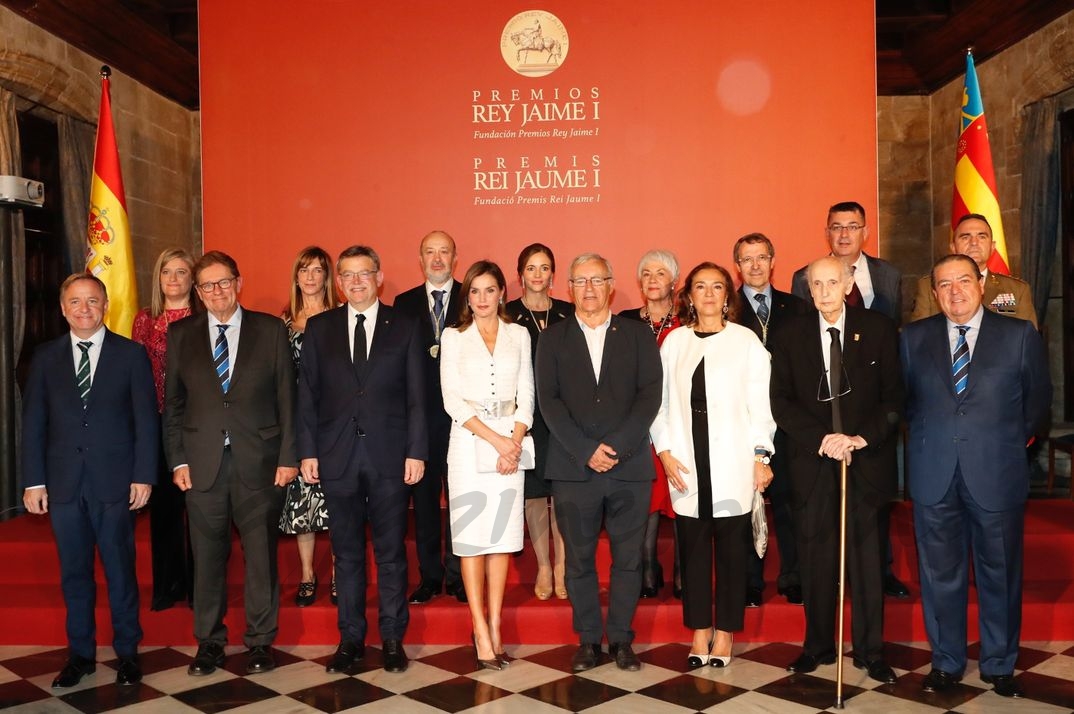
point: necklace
(659, 327)
(540, 324)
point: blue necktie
(960, 361)
(220, 359)
(762, 306)
(83, 374)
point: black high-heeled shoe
(307, 593)
(493, 664)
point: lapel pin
(857, 337)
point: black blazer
(383, 404)
(112, 443)
(257, 412)
(583, 412)
(782, 308)
(415, 303)
(872, 409)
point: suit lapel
(380, 337)
(612, 342)
(105, 367)
(987, 344)
(939, 349)
(576, 344)
(249, 344)
(202, 348)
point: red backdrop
(334, 122)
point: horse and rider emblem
(534, 43)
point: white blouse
(469, 374)
(737, 370)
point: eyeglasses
(824, 389)
(208, 287)
(759, 260)
(595, 282)
(849, 228)
(363, 275)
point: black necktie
(359, 354)
(835, 374)
(438, 312)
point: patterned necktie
(358, 356)
(835, 375)
(82, 376)
(220, 359)
(960, 361)
(762, 306)
(854, 298)
(438, 312)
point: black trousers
(173, 560)
(256, 515)
(723, 543)
(436, 562)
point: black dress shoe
(458, 590)
(73, 672)
(129, 672)
(754, 597)
(346, 655)
(793, 593)
(893, 587)
(585, 658)
(807, 663)
(648, 592)
(624, 656)
(939, 681)
(210, 656)
(878, 670)
(307, 593)
(1005, 685)
(425, 592)
(333, 596)
(259, 660)
(394, 656)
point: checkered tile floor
(443, 679)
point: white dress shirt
(971, 334)
(370, 313)
(594, 341)
(97, 338)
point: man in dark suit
(598, 382)
(90, 444)
(766, 311)
(229, 437)
(977, 390)
(877, 283)
(434, 305)
(877, 286)
(838, 367)
(362, 435)
(1003, 294)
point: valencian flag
(975, 180)
(109, 256)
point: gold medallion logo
(534, 43)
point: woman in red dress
(173, 299)
(658, 271)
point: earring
(725, 308)
(692, 317)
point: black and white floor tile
(443, 678)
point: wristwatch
(762, 456)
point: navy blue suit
(969, 479)
(87, 458)
(361, 426)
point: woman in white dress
(713, 434)
(487, 380)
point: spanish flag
(975, 180)
(110, 257)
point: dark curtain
(76, 171)
(1040, 194)
(11, 165)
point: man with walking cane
(837, 392)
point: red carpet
(31, 612)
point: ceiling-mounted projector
(18, 191)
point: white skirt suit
(486, 509)
(737, 370)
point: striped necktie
(960, 361)
(82, 376)
(762, 306)
(220, 359)
(438, 312)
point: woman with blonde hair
(172, 299)
(304, 512)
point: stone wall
(916, 142)
(159, 140)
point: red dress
(153, 334)
(660, 500)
